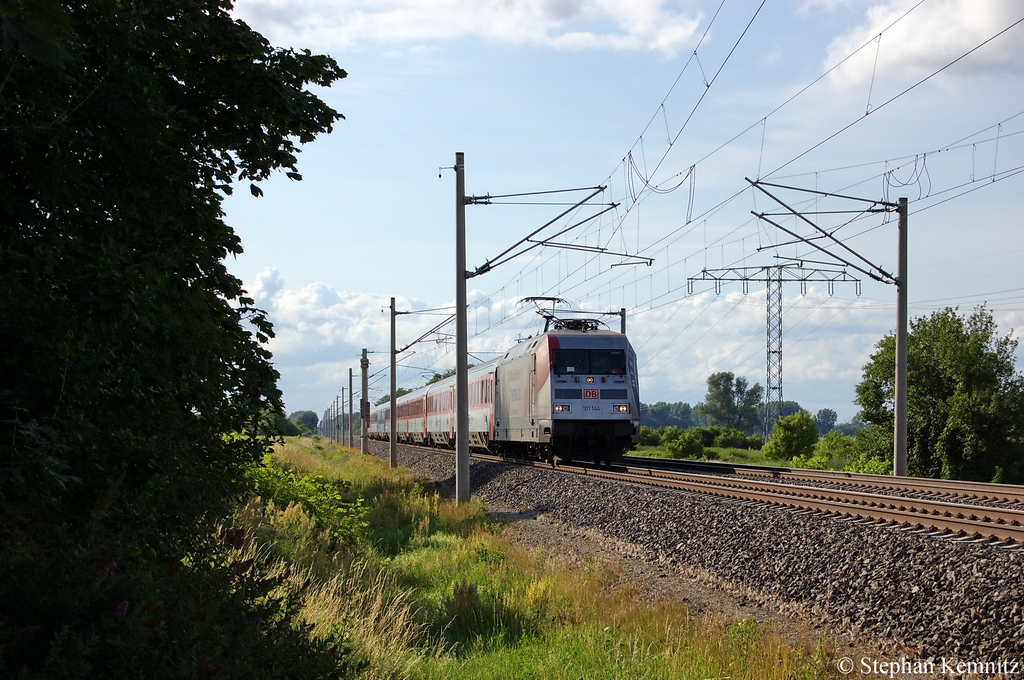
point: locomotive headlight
(590, 379)
(620, 408)
(562, 408)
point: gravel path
(923, 595)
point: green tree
(305, 420)
(965, 402)
(851, 427)
(662, 414)
(284, 426)
(786, 408)
(825, 420)
(398, 393)
(730, 403)
(792, 436)
(134, 384)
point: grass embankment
(421, 588)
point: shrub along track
(912, 589)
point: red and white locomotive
(570, 392)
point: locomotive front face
(594, 401)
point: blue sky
(670, 106)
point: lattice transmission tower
(773, 277)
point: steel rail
(1003, 525)
(998, 524)
(1000, 493)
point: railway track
(937, 489)
(1003, 525)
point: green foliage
(810, 462)
(792, 436)
(456, 599)
(320, 497)
(786, 408)
(730, 403)
(965, 400)
(129, 351)
(732, 439)
(705, 437)
(835, 445)
(686, 445)
(870, 450)
(662, 414)
(31, 29)
(726, 438)
(668, 434)
(825, 419)
(867, 463)
(217, 613)
(851, 427)
(401, 391)
(283, 427)
(306, 421)
(649, 436)
(437, 377)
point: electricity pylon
(773, 277)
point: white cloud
(321, 330)
(928, 38)
(317, 317)
(561, 24)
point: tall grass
(434, 590)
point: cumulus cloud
(318, 317)
(321, 330)
(561, 24)
(928, 38)
(826, 342)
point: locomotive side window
(593, 361)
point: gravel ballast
(924, 595)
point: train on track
(570, 393)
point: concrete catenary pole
(462, 491)
(900, 398)
(392, 434)
(351, 438)
(622, 313)
(364, 405)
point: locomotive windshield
(592, 361)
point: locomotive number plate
(590, 394)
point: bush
(875, 440)
(649, 436)
(706, 435)
(731, 439)
(835, 445)
(668, 434)
(686, 445)
(815, 462)
(320, 497)
(725, 438)
(792, 436)
(869, 464)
